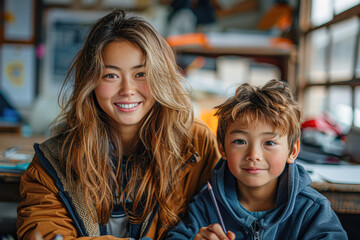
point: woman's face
(123, 92)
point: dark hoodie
(300, 213)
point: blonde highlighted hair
(272, 103)
(92, 152)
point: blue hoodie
(300, 213)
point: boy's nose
(253, 154)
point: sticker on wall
(15, 73)
(18, 73)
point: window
(329, 60)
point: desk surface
(9, 181)
(344, 198)
(16, 140)
(24, 145)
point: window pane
(317, 43)
(321, 11)
(339, 105)
(341, 5)
(357, 107)
(343, 49)
(357, 71)
(314, 102)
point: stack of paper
(344, 174)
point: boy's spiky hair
(272, 103)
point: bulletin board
(66, 32)
(19, 21)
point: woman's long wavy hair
(92, 152)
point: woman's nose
(127, 86)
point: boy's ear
(222, 151)
(294, 153)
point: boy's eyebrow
(118, 68)
(237, 131)
(245, 132)
(270, 133)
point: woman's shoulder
(53, 143)
(36, 173)
(203, 139)
(200, 127)
(49, 151)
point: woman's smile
(128, 107)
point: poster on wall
(18, 74)
(18, 20)
(66, 32)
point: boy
(261, 192)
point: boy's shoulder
(303, 182)
(310, 194)
(202, 198)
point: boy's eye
(141, 74)
(270, 143)
(239, 141)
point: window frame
(305, 30)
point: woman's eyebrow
(118, 68)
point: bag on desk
(352, 144)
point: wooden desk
(344, 198)
(9, 180)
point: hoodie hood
(292, 180)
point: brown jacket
(51, 211)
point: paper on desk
(344, 174)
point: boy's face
(256, 154)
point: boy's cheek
(278, 167)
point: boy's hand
(214, 232)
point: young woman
(126, 155)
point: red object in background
(326, 124)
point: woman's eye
(141, 74)
(111, 76)
(239, 141)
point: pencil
(216, 207)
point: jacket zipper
(256, 230)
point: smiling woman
(123, 92)
(126, 155)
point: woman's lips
(128, 107)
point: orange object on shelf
(187, 39)
(280, 42)
(279, 15)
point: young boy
(260, 191)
